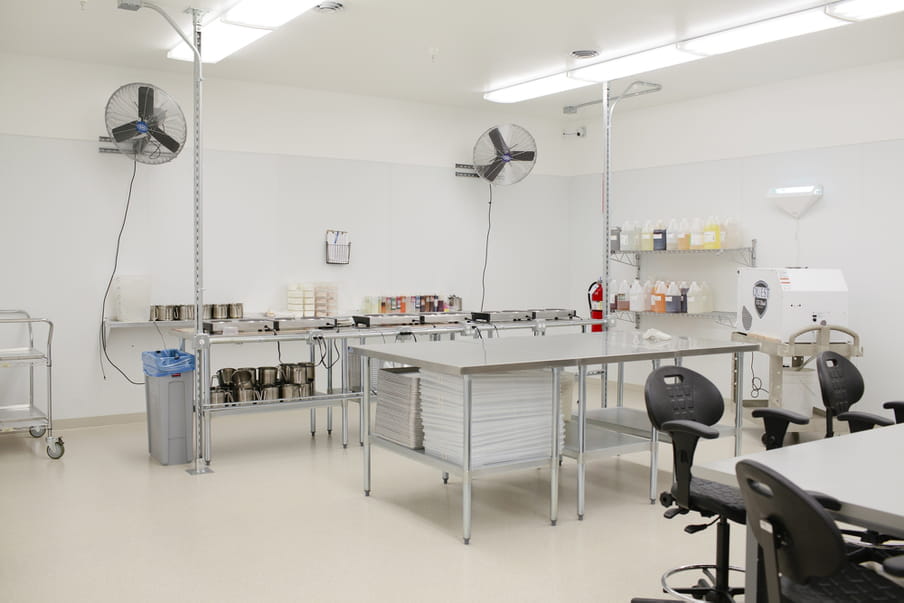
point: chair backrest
(796, 534)
(839, 381)
(675, 392)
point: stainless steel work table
(475, 357)
(858, 469)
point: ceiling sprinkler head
(329, 7)
(584, 54)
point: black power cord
(486, 251)
(103, 306)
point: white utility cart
(18, 349)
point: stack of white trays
(511, 417)
(398, 413)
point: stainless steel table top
(467, 357)
(859, 469)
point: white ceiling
(382, 47)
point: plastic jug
(647, 296)
(684, 234)
(636, 302)
(708, 301)
(731, 238)
(615, 239)
(697, 233)
(712, 236)
(671, 235)
(695, 299)
(683, 287)
(613, 295)
(658, 298)
(659, 236)
(628, 236)
(646, 236)
(622, 301)
(673, 298)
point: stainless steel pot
(169, 313)
(224, 376)
(307, 389)
(289, 390)
(236, 310)
(208, 311)
(296, 374)
(285, 372)
(220, 311)
(186, 312)
(243, 378)
(266, 375)
(246, 394)
(270, 392)
(153, 312)
(220, 396)
(309, 369)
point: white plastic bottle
(730, 234)
(646, 236)
(673, 298)
(695, 299)
(671, 235)
(708, 301)
(622, 301)
(636, 297)
(697, 234)
(625, 235)
(647, 296)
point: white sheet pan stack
(398, 412)
(511, 417)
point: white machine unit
(777, 302)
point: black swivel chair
(842, 386)
(804, 557)
(686, 405)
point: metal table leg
(604, 386)
(582, 426)
(620, 400)
(739, 400)
(362, 341)
(365, 405)
(343, 359)
(313, 410)
(466, 460)
(329, 386)
(554, 458)
(654, 463)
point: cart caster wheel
(56, 450)
(445, 480)
(367, 493)
(345, 445)
(467, 540)
(329, 432)
(580, 518)
(553, 522)
(37, 432)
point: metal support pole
(365, 405)
(343, 359)
(554, 457)
(620, 399)
(739, 400)
(654, 463)
(582, 430)
(466, 460)
(362, 341)
(313, 410)
(329, 386)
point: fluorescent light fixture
(861, 10)
(534, 88)
(632, 64)
(218, 40)
(795, 200)
(761, 32)
(269, 14)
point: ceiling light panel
(761, 32)
(267, 13)
(632, 64)
(861, 10)
(534, 88)
(218, 40)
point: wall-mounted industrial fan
(145, 123)
(505, 154)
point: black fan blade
(491, 172)
(125, 131)
(164, 139)
(522, 155)
(145, 103)
(496, 136)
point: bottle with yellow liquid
(646, 236)
(712, 236)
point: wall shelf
(742, 255)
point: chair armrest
(894, 565)
(861, 421)
(781, 413)
(828, 502)
(690, 427)
(898, 407)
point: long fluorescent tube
(632, 64)
(534, 88)
(860, 10)
(267, 13)
(761, 32)
(218, 40)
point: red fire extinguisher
(596, 297)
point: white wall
(719, 155)
(281, 166)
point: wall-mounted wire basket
(338, 247)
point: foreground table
(468, 358)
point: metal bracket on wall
(465, 170)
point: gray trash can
(169, 385)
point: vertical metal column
(313, 410)
(365, 424)
(362, 341)
(607, 214)
(582, 430)
(739, 399)
(329, 385)
(344, 381)
(205, 377)
(620, 399)
(466, 460)
(654, 463)
(554, 457)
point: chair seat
(853, 583)
(718, 499)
